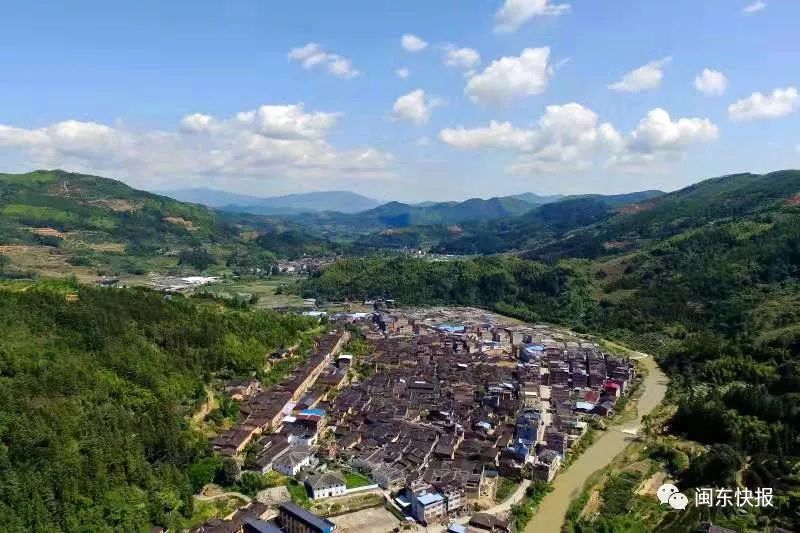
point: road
(502, 507)
(567, 486)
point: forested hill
(592, 226)
(95, 389)
(103, 223)
(711, 202)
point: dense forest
(95, 389)
(711, 287)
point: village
(419, 429)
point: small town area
(431, 419)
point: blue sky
(178, 94)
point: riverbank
(567, 486)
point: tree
(229, 473)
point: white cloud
(658, 132)
(571, 138)
(757, 106)
(755, 7)
(465, 58)
(197, 122)
(711, 82)
(566, 138)
(312, 55)
(511, 77)
(644, 78)
(402, 73)
(514, 13)
(287, 122)
(412, 43)
(414, 107)
(500, 135)
(272, 142)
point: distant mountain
(616, 200)
(535, 199)
(395, 215)
(311, 202)
(541, 224)
(210, 197)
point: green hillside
(538, 226)
(57, 221)
(95, 393)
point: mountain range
(310, 202)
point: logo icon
(671, 495)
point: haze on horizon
(419, 102)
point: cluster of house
(177, 284)
(283, 416)
(449, 408)
(303, 265)
(445, 410)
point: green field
(355, 480)
(264, 289)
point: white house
(293, 461)
(326, 485)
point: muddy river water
(567, 486)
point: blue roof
(429, 498)
(457, 528)
(261, 526)
(318, 412)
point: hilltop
(57, 221)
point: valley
(704, 279)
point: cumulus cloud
(515, 13)
(571, 137)
(402, 73)
(270, 142)
(755, 7)
(779, 103)
(312, 55)
(412, 43)
(414, 107)
(501, 135)
(644, 78)
(512, 77)
(465, 58)
(657, 131)
(711, 82)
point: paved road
(567, 486)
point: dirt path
(215, 495)
(200, 415)
(567, 486)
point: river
(567, 486)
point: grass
(204, 511)
(355, 480)
(298, 493)
(506, 489)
